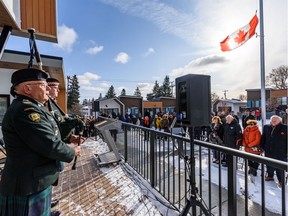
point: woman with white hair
(274, 143)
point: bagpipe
(66, 123)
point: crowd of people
(226, 130)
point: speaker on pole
(96, 106)
(193, 100)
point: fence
(168, 164)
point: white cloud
(202, 65)
(94, 50)
(165, 17)
(145, 88)
(87, 77)
(149, 52)
(66, 38)
(122, 57)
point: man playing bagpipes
(66, 124)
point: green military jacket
(34, 147)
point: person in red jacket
(251, 142)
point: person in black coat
(274, 143)
(216, 136)
(232, 133)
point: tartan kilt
(38, 204)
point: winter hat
(251, 121)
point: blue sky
(130, 43)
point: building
(161, 104)
(275, 98)
(134, 105)
(236, 105)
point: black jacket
(217, 130)
(34, 148)
(232, 134)
(274, 142)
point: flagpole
(262, 65)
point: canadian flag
(240, 36)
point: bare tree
(278, 77)
(214, 97)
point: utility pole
(225, 93)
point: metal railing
(164, 161)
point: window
(4, 104)
(284, 101)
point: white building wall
(5, 84)
(5, 81)
(109, 104)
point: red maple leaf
(241, 37)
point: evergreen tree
(137, 92)
(111, 92)
(73, 93)
(123, 92)
(166, 89)
(85, 102)
(156, 90)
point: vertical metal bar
(143, 165)
(209, 179)
(173, 155)
(6, 31)
(192, 178)
(163, 161)
(246, 187)
(152, 159)
(185, 171)
(159, 157)
(168, 170)
(283, 193)
(220, 182)
(263, 189)
(231, 165)
(125, 144)
(179, 181)
(200, 174)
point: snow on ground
(132, 189)
(273, 193)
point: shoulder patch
(26, 102)
(35, 117)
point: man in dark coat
(232, 133)
(274, 143)
(33, 145)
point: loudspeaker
(96, 106)
(193, 100)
